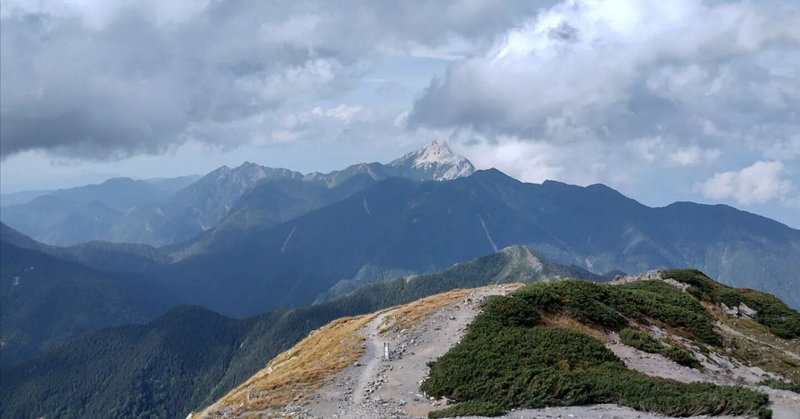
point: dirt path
(432, 338)
(378, 388)
(372, 359)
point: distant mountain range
(171, 211)
(118, 209)
(294, 239)
(400, 226)
(47, 300)
(22, 197)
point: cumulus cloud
(761, 182)
(692, 156)
(524, 160)
(127, 85)
(784, 150)
(100, 80)
(667, 152)
(582, 162)
(700, 74)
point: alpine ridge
(173, 212)
(420, 227)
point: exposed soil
(376, 387)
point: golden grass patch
(407, 316)
(297, 372)
(562, 320)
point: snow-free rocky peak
(247, 175)
(434, 161)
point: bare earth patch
(416, 334)
(296, 373)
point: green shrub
(472, 407)
(644, 342)
(657, 300)
(640, 340)
(781, 385)
(583, 300)
(511, 312)
(499, 366)
(681, 357)
(610, 306)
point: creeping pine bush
(640, 340)
(509, 360)
(610, 306)
(644, 342)
(781, 384)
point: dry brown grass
(562, 320)
(408, 316)
(296, 373)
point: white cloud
(524, 160)
(648, 97)
(761, 182)
(693, 156)
(669, 153)
(298, 31)
(645, 149)
(784, 150)
(700, 72)
(343, 112)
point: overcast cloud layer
(102, 80)
(676, 100)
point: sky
(682, 100)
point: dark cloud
(97, 84)
(564, 32)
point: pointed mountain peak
(434, 152)
(219, 170)
(436, 161)
(248, 167)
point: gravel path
(372, 358)
(378, 388)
